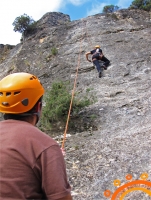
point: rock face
(4, 51)
(117, 141)
(53, 19)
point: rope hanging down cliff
(73, 92)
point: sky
(76, 9)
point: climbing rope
(73, 92)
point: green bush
(57, 103)
(54, 51)
(110, 9)
(30, 29)
(23, 23)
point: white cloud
(10, 9)
(124, 3)
(78, 2)
(96, 8)
(30, 7)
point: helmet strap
(38, 110)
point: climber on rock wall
(97, 55)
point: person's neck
(34, 120)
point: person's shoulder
(35, 131)
(25, 135)
(92, 51)
(27, 130)
(38, 138)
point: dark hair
(23, 116)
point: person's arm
(87, 54)
(54, 181)
(101, 54)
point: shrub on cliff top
(110, 9)
(23, 23)
(141, 4)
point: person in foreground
(97, 55)
(31, 163)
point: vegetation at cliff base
(57, 102)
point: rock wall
(117, 140)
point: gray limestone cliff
(118, 141)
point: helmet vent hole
(1, 93)
(15, 93)
(32, 78)
(8, 93)
(25, 102)
(5, 103)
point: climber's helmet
(19, 92)
(97, 46)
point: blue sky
(76, 9)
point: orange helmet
(19, 92)
(97, 46)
